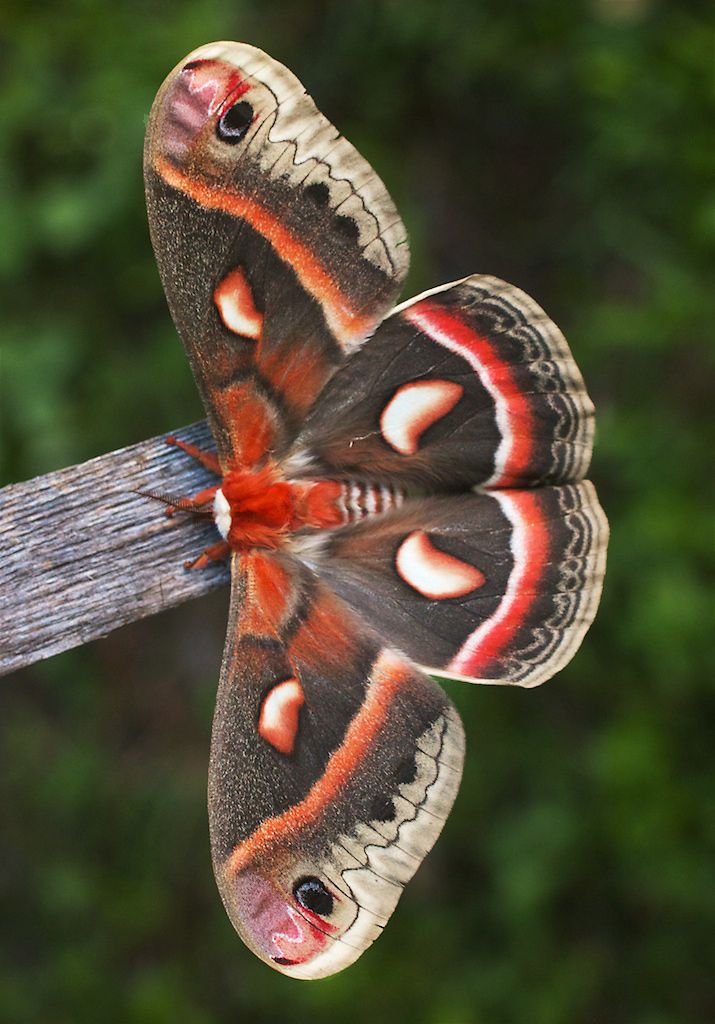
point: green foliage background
(565, 146)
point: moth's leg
(207, 459)
(216, 553)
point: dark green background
(565, 146)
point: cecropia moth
(402, 493)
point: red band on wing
(321, 642)
(250, 420)
(298, 374)
(348, 326)
(513, 415)
(530, 550)
(270, 596)
(388, 675)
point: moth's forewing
(319, 818)
(278, 246)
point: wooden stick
(83, 554)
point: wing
(468, 384)
(334, 764)
(277, 244)
(489, 587)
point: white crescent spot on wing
(278, 721)
(413, 408)
(434, 573)
(234, 301)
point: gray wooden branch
(84, 554)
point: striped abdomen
(359, 499)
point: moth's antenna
(177, 504)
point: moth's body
(264, 509)
(398, 488)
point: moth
(401, 496)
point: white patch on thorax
(222, 514)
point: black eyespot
(347, 228)
(312, 894)
(383, 809)
(318, 192)
(235, 122)
(406, 771)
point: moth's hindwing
(334, 765)
(278, 246)
(469, 384)
(495, 587)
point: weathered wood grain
(83, 554)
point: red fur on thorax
(262, 509)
